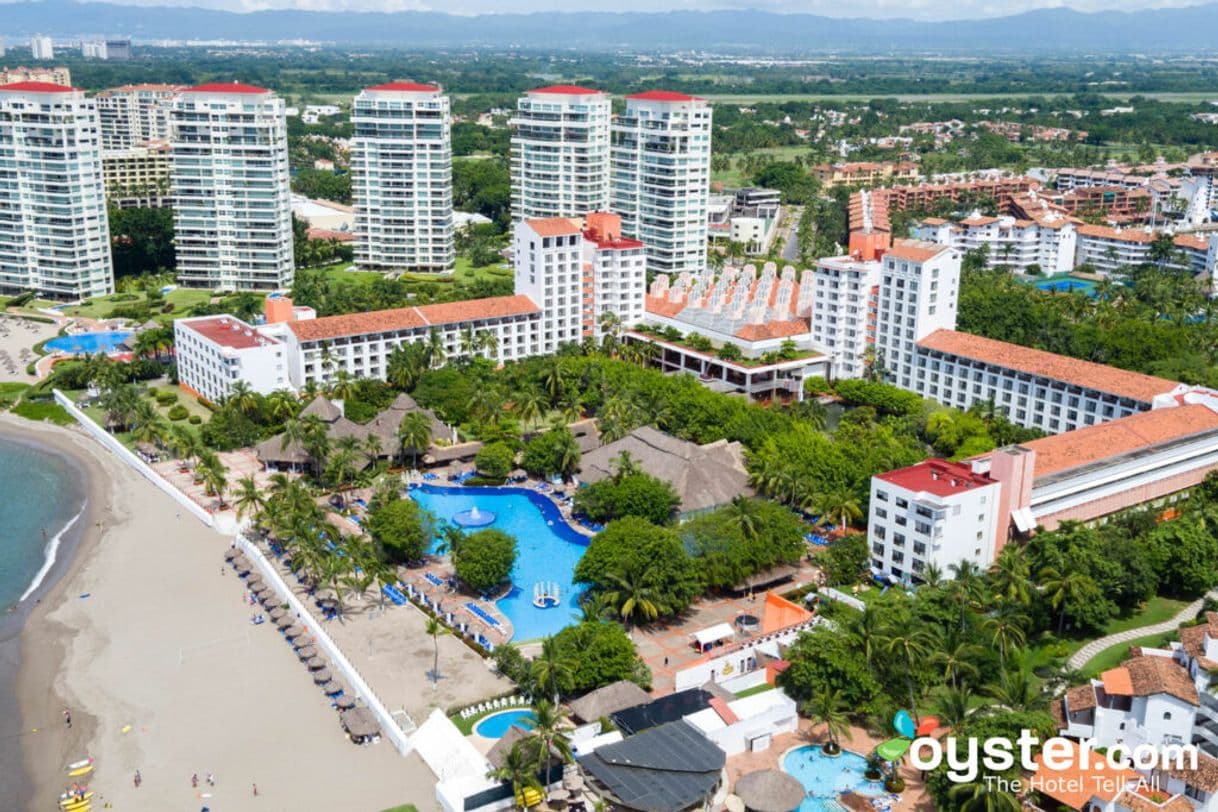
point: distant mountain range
(1176, 30)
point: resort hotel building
(1046, 242)
(134, 115)
(54, 234)
(232, 202)
(661, 149)
(401, 178)
(568, 275)
(560, 153)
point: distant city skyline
(911, 9)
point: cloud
(918, 9)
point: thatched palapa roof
(610, 699)
(770, 791)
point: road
(790, 249)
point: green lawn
(735, 176)
(43, 410)
(1112, 656)
(464, 272)
(756, 689)
(403, 808)
(747, 98)
(1156, 610)
(182, 299)
(466, 726)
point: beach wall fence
(389, 725)
(127, 456)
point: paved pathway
(1084, 654)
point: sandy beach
(164, 674)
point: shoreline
(27, 689)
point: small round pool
(495, 725)
(825, 777)
(106, 341)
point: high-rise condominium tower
(560, 153)
(232, 202)
(401, 178)
(661, 177)
(54, 236)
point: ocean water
(39, 492)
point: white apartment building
(560, 153)
(661, 177)
(936, 512)
(215, 352)
(1047, 242)
(41, 47)
(138, 177)
(918, 290)
(401, 179)
(548, 255)
(232, 202)
(615, 274)
(844, 311)
(134, 115)
(54, 233)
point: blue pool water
(106, 341)
(1068, 286)
(824, 777)
(546, 550)
(493, 727)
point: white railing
(127, 456)
(392, 730)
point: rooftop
(1138, 235)
(937, 477)
(568, 90)
(661, 711)
(1148, 675)
(228, 332)
(1062, 452)
(916, 250)
(1111, 380)
(410, 318)
(1075, 785)
(663, 96)
(225, 87)
(405, 87)
(554, 226)
(665, 769)
(36, 87)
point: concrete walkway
(1084, 654)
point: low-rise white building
(844, 312)
(1047, 242)
(747, 725)
(215, 352)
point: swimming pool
(824, 777)
(106, 341)
(497, 724)
(1068, 286)
(547, 550)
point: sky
(918, 9)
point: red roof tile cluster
(774, 329)
(568, 90)
(406, 87)
(36, 87)
(1138, 235)
(938, 477)
(411, 318)
(554, 226)
(1102, 378)
(1072, 449)
(663, 96)
(229, 332)
(1149, 675)
(915, 250)
(225, 87)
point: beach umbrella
(254, 580)
(332, 687)
(260, 588)
(242, 567)
(345, 702)
(284, 621)
(315, 663)
(293, 631)
(232, 553)
(307, 653)
(770, 791)
(268, 599)
(277, 613)
(322, 677)
(558, 795)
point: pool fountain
(473, 517)
(546, 595)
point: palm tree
(281, 405)
(867, 627)
(249, 499)
(912, 646)
(1064, 590)
(466, 341)
(244, 399)
(983, 796)
(967, 586)
(435, 352)
(344, 386)
(435, 630)
(488, 342)
(827, 708)
(406, 363)
(552, 670)
(632, 597)
(957, 658)
(214, 480)
(146, 425)
(373, 448)
(547, 722)
(624, 465)
(743, 513)
(1017, 689)
(556, 379)
(530, 405)
(340, 469)
(414, 432)
(1006, 630)
(839, 507)
(1011, 576)
(519, 771)
(953, 706)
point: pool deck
(914, 798)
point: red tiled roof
(1102, 378)
(229, 332)
(411, 318)
(915, 250)
(1072, 449)
(1075, 785)
(330, 234)
(554, 226)
(567, 90)
(663, 96)
(1123, 235)
(1194, 241)
(720, 706)
(939, 477)
(773, 329)
(1080, 698)
(406, 87)
(618, 243)
(36, 87)
(225, 87)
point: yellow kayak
(79, 771)
(531, 797)
(76, 803)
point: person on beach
(211, 779)
(194, 781)
(255, 790)
(67, 718)
(139, 779)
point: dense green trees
(402, 529)
(494, 461)
(740, 539)
(552, 453)
(483, 185)
(642, 569)
(485, 558)
(602, 653)
(141, 240)
(634, 494)
(323, 184)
